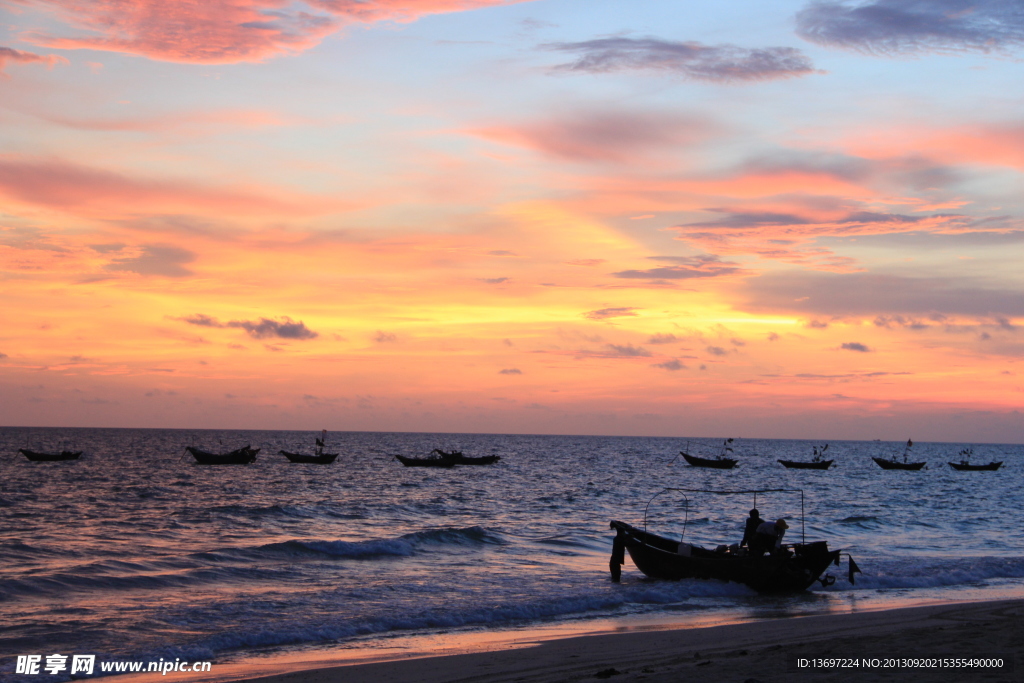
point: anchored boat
(894, 464)
(965, 464)
(241, 456)
(39, 456)
(318, 457)
(719, 462)
(817, 462)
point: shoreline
(763, 650)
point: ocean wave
(227, 564)
(324, 629)
(401, 546)
(921, 573)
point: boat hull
(483, 460)
(426, 462)
(242, 456)
(895, 465)
(714, 463)
(38, 456)
(322, 459)
(659, 558)
(797, 465)
(966, 467)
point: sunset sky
(637, 217)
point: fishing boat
(241, 456)
(719, 462)
(461, 459)
(39, 456)
(317, 458)
(894, 464)
(426, 462)
(965, 464)
(817, 462)
(968, 467)
(795, 567)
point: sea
(135, 552)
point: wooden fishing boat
(241, 456)
(318, 458)
(461, 459)
(426, 462)
(797, 465)
(968, 467)
(719, 463)
(39, 456)
(660, 558)
(793, 567)
(894, 464)
(965, 463)
(816, 463)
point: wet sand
(764, 651)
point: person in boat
(753, 521)
(768, 538)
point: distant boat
(894, 464)
(426, 462)
(318, 457)
(461, 459)
(968, 467)
(719, 462)
(816, 463)
(38, 456)
(965, 465)
(241, 456)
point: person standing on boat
(768, 538)
(753, 521)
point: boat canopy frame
(686, 513)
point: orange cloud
(223, 31)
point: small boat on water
(894, 464)
(716, 463)
(426, 462)
(440, 458)
(817, 462)
(241, 456)
(461, 459)
(719, 462)
(317, 458)
(792, 569)
(965, 464)
(40, 456)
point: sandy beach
(762, 651)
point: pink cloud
(605, 136)
(85, 190)
(223, 31)
(192, 121)
(18, 57)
